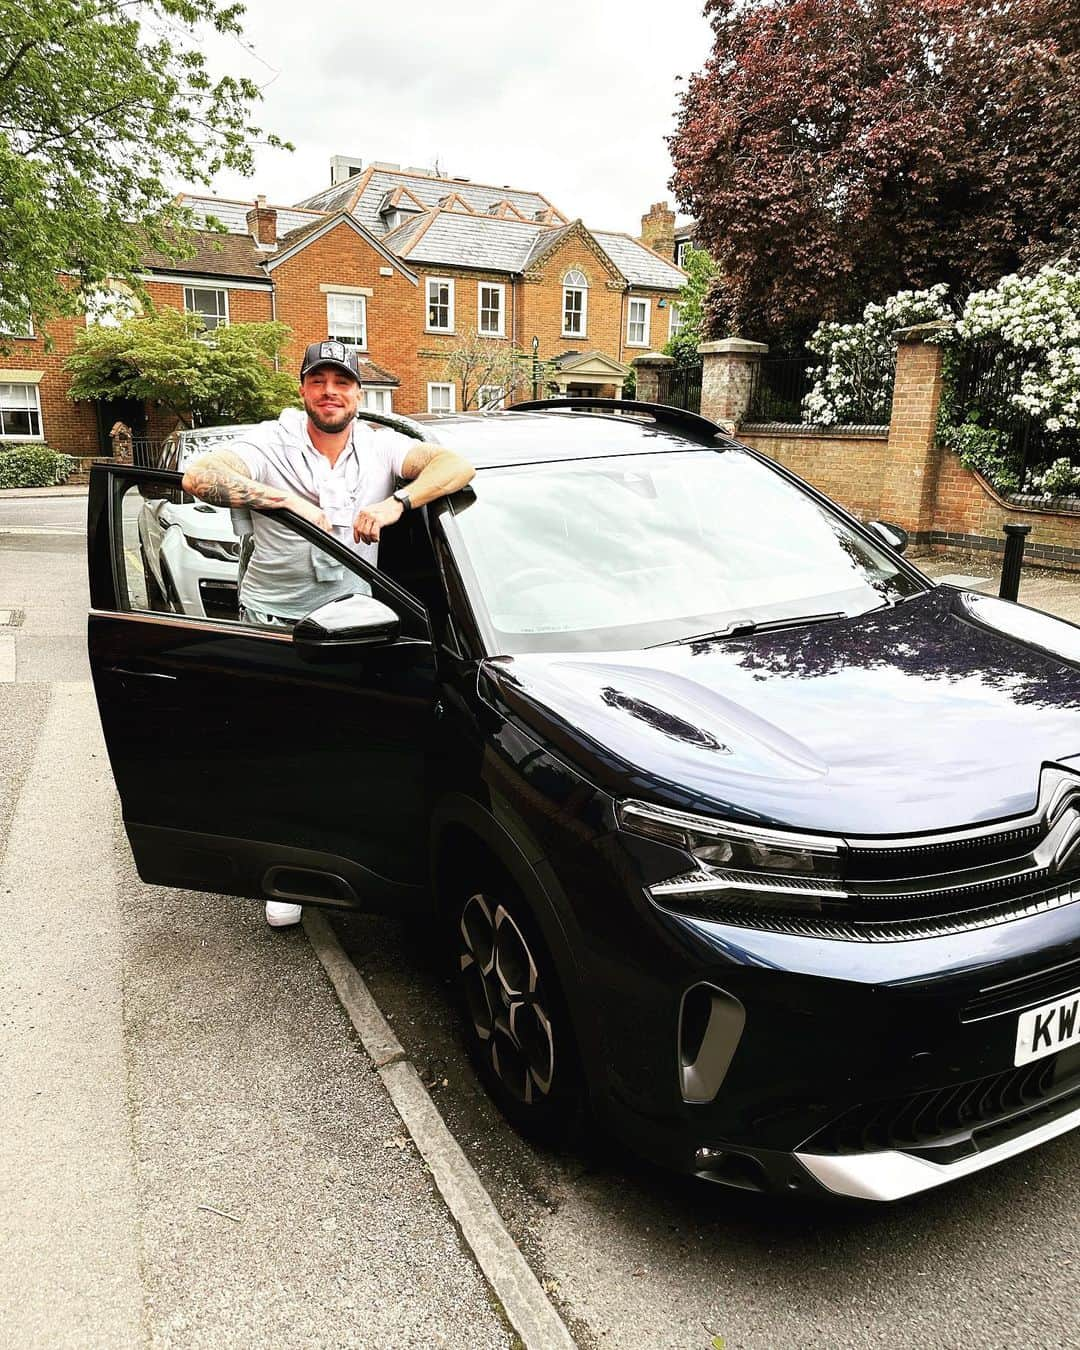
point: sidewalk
(62, 490)
(1055, 592)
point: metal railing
(680, 387)
(985, 380)
(778, 386)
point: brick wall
(847, 466)
(68, 427)
(394, 308)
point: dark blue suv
(748, 837)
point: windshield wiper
(746, 627)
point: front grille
(890, 862)
(901, 889)
(961, 1112)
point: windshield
(632, 551)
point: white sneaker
(281, 915)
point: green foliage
(211, 378)
(1026, 334)
(1061, 479)
(854, 382)
(701, 271)
(30, 465)
(104, 106)
(982, 449)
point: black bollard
(1015, 540)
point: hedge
(23, 466)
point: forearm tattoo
(221, 488)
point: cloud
(570, 99)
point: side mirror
(894, 535)
(354, 620)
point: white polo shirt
(286, 575)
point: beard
(329, 425)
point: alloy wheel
(506, 1000)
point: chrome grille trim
(896, 930)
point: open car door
(276, 763)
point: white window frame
(680, 251)
(361, 300)
(496, 396)
(638, 300)
(385, 394)
(453, 397)
(500, 289)
(448, 282)
(189, 307)
(581, 288)
(6, 435)
(26, 333)
(674, 318)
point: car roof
(496, 439)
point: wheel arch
(461, 827)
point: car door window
(176, 556)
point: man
(335, 472)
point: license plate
(1042, 1031)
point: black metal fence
(680, 387)
(985, 379)
(778, 386)
(147, 453)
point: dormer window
(575, 303)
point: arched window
(575, 304)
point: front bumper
(893, 1175)
(871, 1071)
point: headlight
(740, 865)
(223, 550)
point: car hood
(921, 717)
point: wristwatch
(402, 496)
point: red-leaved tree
(836, 151)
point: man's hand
(309, 511)
(371, 519)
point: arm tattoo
(221, 488)
(220, 478)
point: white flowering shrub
(1061, 479)
(855, 380)
(1024, 335)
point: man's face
(331, 398)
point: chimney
(658, 230)
(262, 222)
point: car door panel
(226, 738)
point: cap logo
(332, 351)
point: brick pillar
(911, 467)
(122, 449)
(650, 369)
(727, 377)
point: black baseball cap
(330, 353)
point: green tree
(104, 105)
(700, 270)
(478, 362)
(205, 378)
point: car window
(634, 551)
(177, 555)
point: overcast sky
(572, 98)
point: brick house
(401, 264)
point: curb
(14, 494)
(528, 1308)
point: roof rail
(405, 425)
(660, 412)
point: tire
(155, 598)
(517, 1027)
